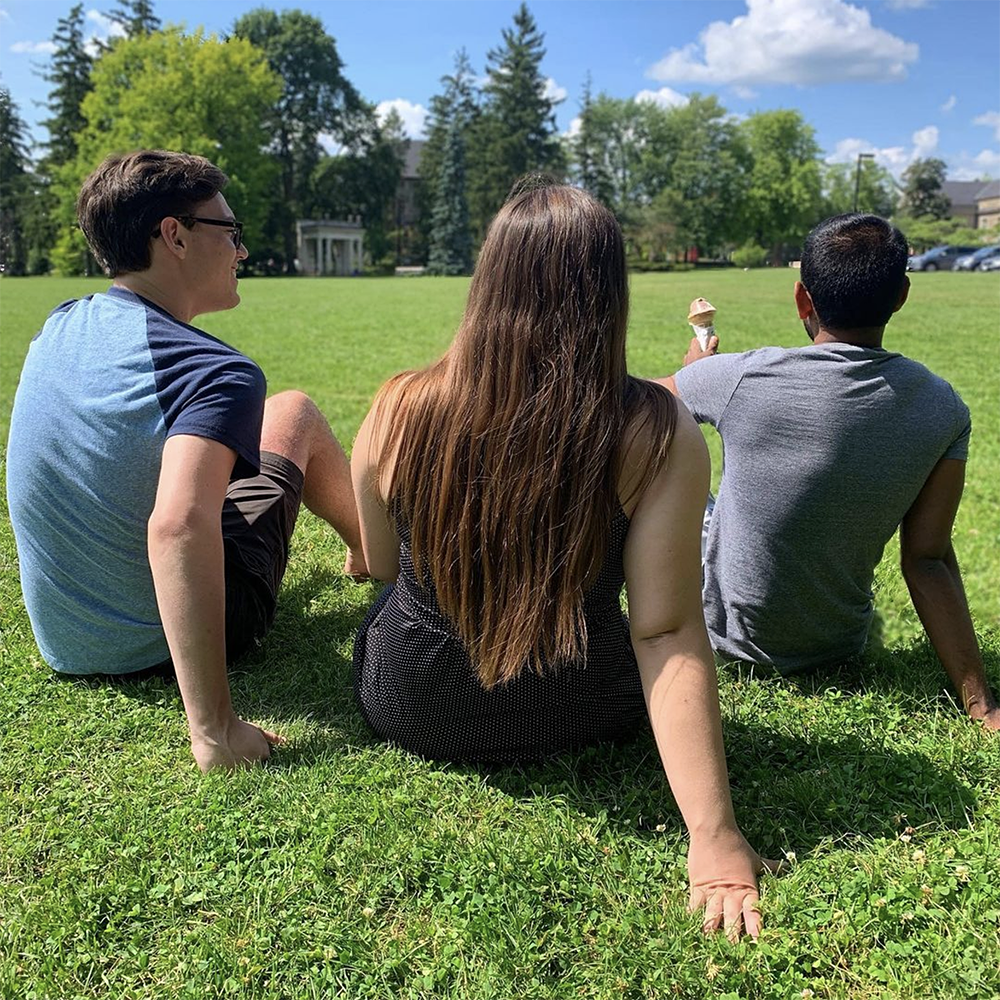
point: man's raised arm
(695, 352)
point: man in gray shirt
(828, 449)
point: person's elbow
(384, 572)
(921, 568)
(170, 528)
(382, 561)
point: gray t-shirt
(825, 450)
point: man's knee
(291, 403)
(292, 423)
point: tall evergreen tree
(14, 186)
(136, 17)
(584, 147)
(69, 74)
(458, 98)
(316, 98)
(451, 241)
(518, 130)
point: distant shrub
(750, 255)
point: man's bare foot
(355, 567)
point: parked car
(971, 261)
(940, 258)
(993, 264)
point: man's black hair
(854, 268)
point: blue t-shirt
(107, 380)
(825, 449)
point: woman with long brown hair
(508, 491)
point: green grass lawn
(347, 868)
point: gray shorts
(258, 518)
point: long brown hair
(507, 453)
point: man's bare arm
(186, 559)
(934, 579)
(694, 353)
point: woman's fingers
(714, 912)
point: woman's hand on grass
(723, 874)
(241, 745)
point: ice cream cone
(701, 313)
(701, 316)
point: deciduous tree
(875, 188)
(784, 198)
(922, 194)
(193, 93)
(363, 179)
(315, 99)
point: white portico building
(330, 246)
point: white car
(971, 261)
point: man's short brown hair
(122, 202)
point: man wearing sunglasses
(152, 488)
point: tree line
(269, 102)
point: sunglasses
(235, 227)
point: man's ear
(803, 301)
(904, 292)
(173, 236)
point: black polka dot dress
(417, 688)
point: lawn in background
(348, 868)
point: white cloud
(414, 115)
(790, 42)
(35, 48)
(965, 167)
(4, 15)
(102, 31)
(665, 97)
(949, 105)
(895, 159)
(925, 141)
(105, 25)
(574, 128)
(553, 92)
(991, 120)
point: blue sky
(901, 78)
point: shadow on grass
(910, 675)
(790, 792)
(302, 667)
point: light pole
(857, 176)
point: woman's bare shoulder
(644, 446)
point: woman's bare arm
(663, 576)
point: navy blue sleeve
(207, 388)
